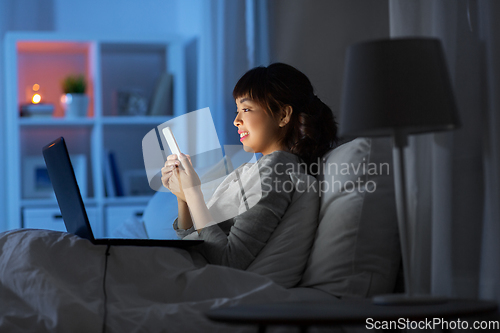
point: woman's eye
(244, 110)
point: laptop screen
(63, 179)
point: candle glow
(36, 98)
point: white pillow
(356, 251)
(159, 215)
(284, 257)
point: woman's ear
(286, 114)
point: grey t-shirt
(256, 211)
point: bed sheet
(54, 282)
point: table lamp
(398, 87)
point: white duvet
(53, 282)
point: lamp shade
(396, 85)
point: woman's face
(259, 132)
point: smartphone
(172, 143)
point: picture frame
(131, 102)
(36, 181)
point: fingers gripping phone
(172, 143)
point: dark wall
(314, 35)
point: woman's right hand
(170, 177)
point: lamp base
(404, 299)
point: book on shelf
(109, 185)
(161, 101)
(37, 110)
(113, 180)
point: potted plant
(75, 101)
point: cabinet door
(124, 221)
(51, 219)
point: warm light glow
(36, 87)
(63, 99)
(36, 98)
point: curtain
(234, 39)
(453, 177)
(3, 27)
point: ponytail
(313, 131)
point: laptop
(69, 199)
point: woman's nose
(237, 120)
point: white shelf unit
(109, 64)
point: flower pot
(76, 105)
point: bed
(56, 282)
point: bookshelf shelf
(42, 203)
(135, 120)
(125, 201)
(56, 122)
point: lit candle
(36, 97)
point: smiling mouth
(243, 135)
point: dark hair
(312, 130)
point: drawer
(51, 219)
(116, 216)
